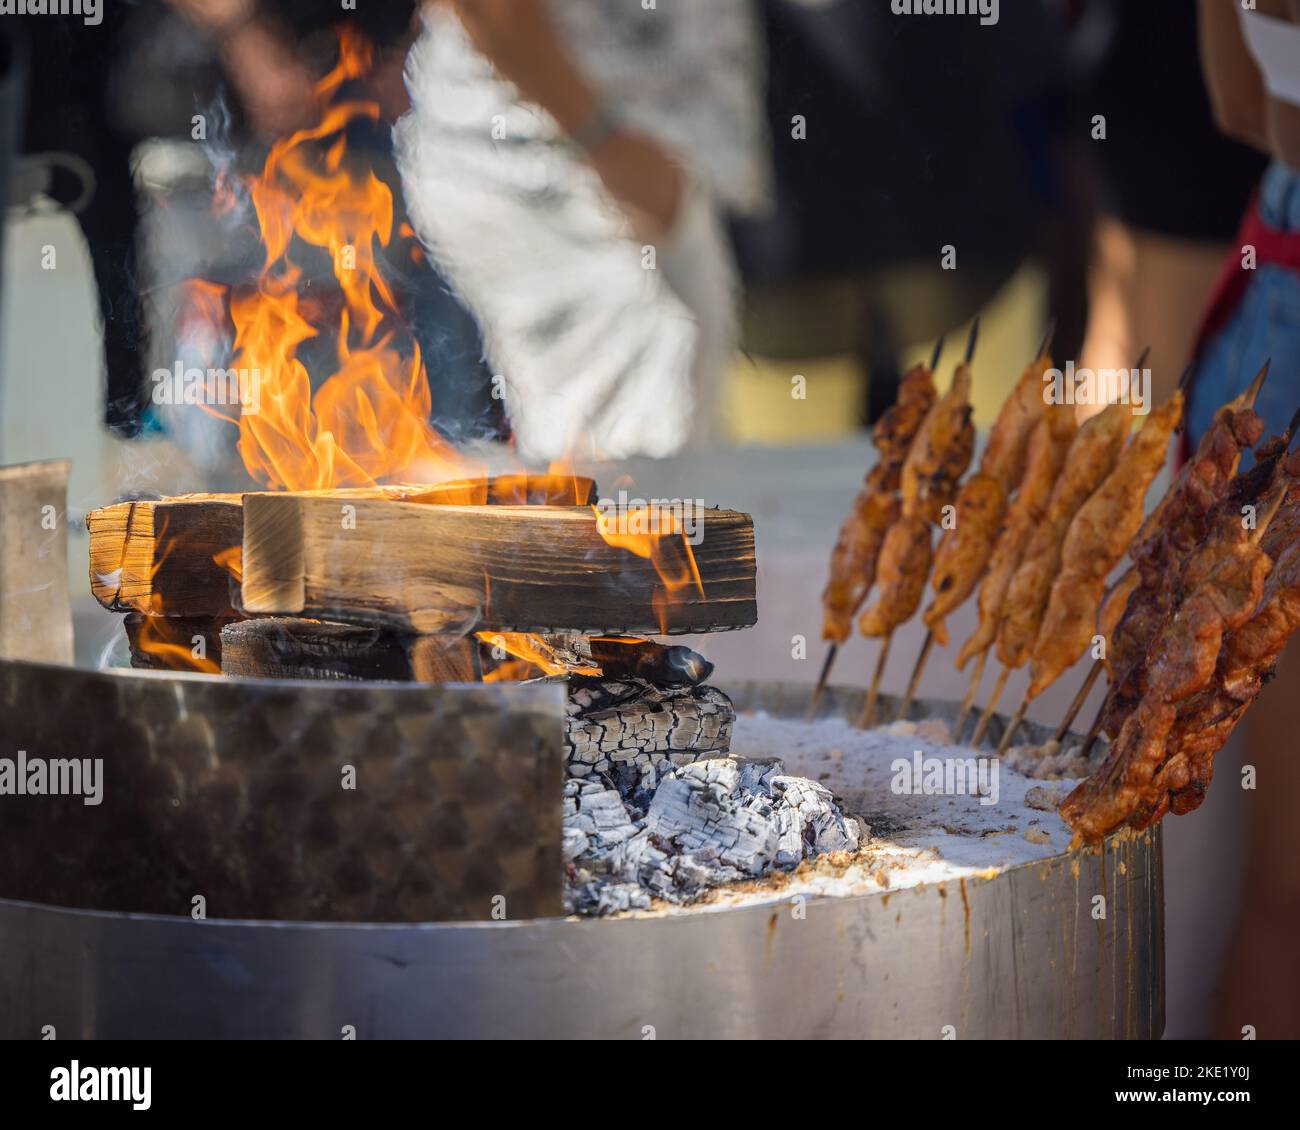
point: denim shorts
(1265, 325)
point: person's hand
(276, 88)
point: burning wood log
(178, 556)
(288, 648)
(629, 657)
(632, 723)
(511, 568)
(160, 555)
(175, 643)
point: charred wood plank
(439, 569)
(175, 643)
(178, 556)
(614, 723)
(288, 648)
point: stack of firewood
(408, 583)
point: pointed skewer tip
(1048, 335)
(938, 353)
(973, 340)
(1292, 428)
(1252, 393)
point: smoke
(230, 200)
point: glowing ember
(533, 656)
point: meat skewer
(936, 461)
(1090, 459)
(1048, 447)
(1250, 654)
(1225, 582)
(1097, 539)
(965, 549)
(1171, 531)
(876, 508)
(1111, 612)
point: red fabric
(1272, 247)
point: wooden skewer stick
(831, 652)
(1013, 726)
(987, 716)
(1079, 699)
(869, 710)
(976, 677)
(916, 676)
(1094, 733)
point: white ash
(913, 839)
(705, 824)
(1049, 761)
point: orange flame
(369, 420)
(232, 561)
(169, 640)
(657, 534)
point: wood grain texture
(279, 647)
(450, 569)
(157, 556)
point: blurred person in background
(567, 164)
(1252, 70)
(893, 138)
(1171, 187)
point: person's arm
(519, 40)
(1243, 106)
(1234, 83)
